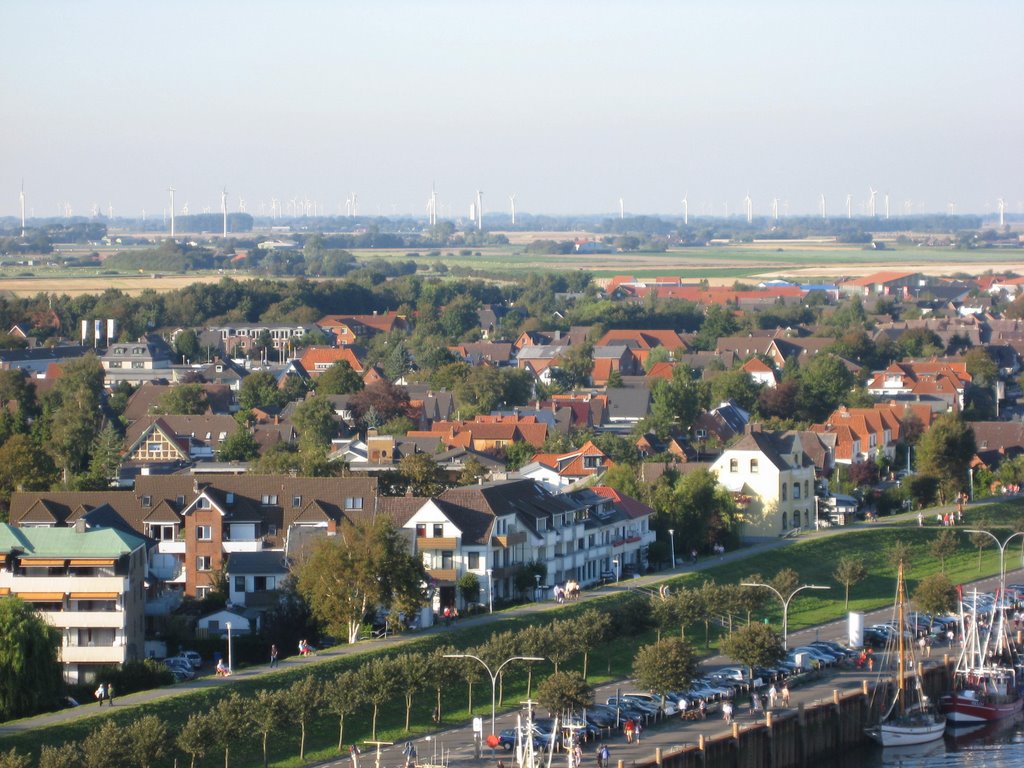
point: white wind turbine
(871, 201)
(823, 205)
(622, 210)
(686, 210)
(170, 190)
(479, 211)
(21, 200)
(749, 205)
(887, 205)
(1000, 202)
(224, 209)
(775, 208)
(512, 201)
(952, 208)
(849, 206)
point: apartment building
(88, 583)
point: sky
(568, 105)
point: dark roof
(256, 563)
(775, 446)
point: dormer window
(296, 502)
(147, 501)
(202, 503)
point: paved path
(834, 630)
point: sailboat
(910, 718)
(986, 685)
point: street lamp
(615, 564)
(536, 589)
(672, 538)
(1002, 550)
(493, 675)
(230, 666)
(785, 604)
(490, 591)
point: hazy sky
(570, 105)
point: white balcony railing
(106, 654)
(85, 619)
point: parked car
(667, 705)
(181, 668)
(818, 654)
(875, 639)
(507, 740)
(192, 658)
(646, 707)
(731, 673)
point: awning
(94, 595)
(93, 561)
(4, 591)
(42, 597)
(32, 562)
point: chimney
(80, 525)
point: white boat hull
(902, 735)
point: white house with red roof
(761, 372)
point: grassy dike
(814, 559)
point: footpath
(833, 630)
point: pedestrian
(101, 693)
(773, 695)
(410, 754)
(702, 709)
(353, 753)
(628, 728)
(755, 705)
(110, 694)
(436, 715)
(605, 756)
(600, 757)
(920, 519)
(785, 694)
(727, 712)
(638, 728)
(447, 616)
(273, 655)
(693, 556)
(683, 704)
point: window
(438, 530)
(202, 503)
(272, 530)
(138, 364)
(354, 502)
(807, 494)
(153, 447)
(204, 533)
(203, 563)
(447, 558)
(296, 502)
(268, 500)
(147, 501)
(783, 521)
(180, 500)
(421, 530)
(753, 466)
(796, 491)
(473, 560)
(239, 583)
(734, 465)
(785, 491)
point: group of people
(603, 756)
(105, 693)
(571, 591)
(632, 728)
(305, 649)
(450, 614)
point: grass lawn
(814, 560)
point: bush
(134, 676)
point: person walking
(110, 694)
(628, 728)
(353, 753)
(773, 696)
(605, 756)
(785, 694)
(638, 728)
(101, 693)
(273, 656)
(755, 705)
(727, 712)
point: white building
(772, 480)
(89, 584)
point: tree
(825, 382)
(565, 692)
(302, 701)
(106, 747)
(259, 390)
(980, 365)
(591, 630)
(736, 385)
(944, 545)
(365, 565)
(898, 552)
(386, 400)
(718, 322)
(708, 602)
(343, 697)
(408, 668)
(674, 403)
(148, 740)
(267, 715)
(230, 723)
(469, 587)
(314, 418)
(785, 581)
(848, 572)
(472, 471)
(15, 759)
(576, 365)
(379, 682)
(74, 415)
(935, 594)
(30, 671)
(754, 645)
(667, 665)
(945, 451)
(424, 475)
(340, 379)
(240, 445)
(186, 344)
(67, 755)
(196, 736)
(980, 541)
(106, 456)
(184, 399)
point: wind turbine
(171, 191)
(952, 208)
(512, 200)
(775, 208)
(479, 211)
(849, 206)
(622, 210)
(908, 207)
(21, 199)
(224, 209)
(1000, 202)
(871, 201)
(686, 210)
(823, 205)
(750, 208)
(887, 205)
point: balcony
(170, 547)
(251, 545)
(437, 542)
(85, 619)
(518, 537)
(84, 654)
(66, 584)
(445, 576)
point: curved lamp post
(672, 538)
(1002, 549)
(785, 604)
(493, 675)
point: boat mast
(900, 677)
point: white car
(192, 657)
(653, 698)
